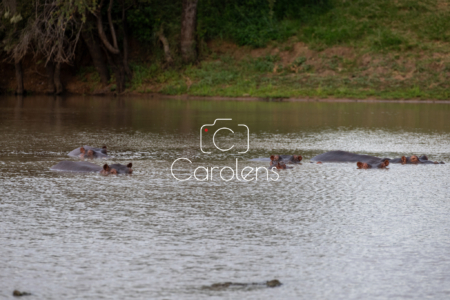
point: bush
(254, 22)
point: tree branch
(102, 34)
(165, 43)
(111, 25)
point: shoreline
(244, 98)
(269, 99)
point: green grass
(351, 78)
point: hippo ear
(359, 164)
(129, 165)
(106, 167)
(403, 160)
(386, 162)
(298, 157)
(104, 147)
(272, 157)
(82, 150)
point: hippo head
(86, 154)
(424, 160)
(130, 171)
(413, 159)
(89, 154)
(281, 165)
(106, 170)
(363, 165)
(275, 158)
(383, 164)
(297, 158)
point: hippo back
(343, 156)
(76, 166)
(75, 153)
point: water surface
(325, 231)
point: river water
(325, 231)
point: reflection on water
(325, 231)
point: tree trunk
(115, 57)
(58, 83)
(97, 56)
(165, 44)
(117, 66)
(101, 32)
(50, 68)
(188, 24)
(54, 78)
(19, 77)
(125, 43)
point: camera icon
(205, 128)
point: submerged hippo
(86, 167)
(285, 159)
(373, 161)
(414, 159)
(381, 165)
(122, 169)
(76, 166)
(221, 286)
(89, 152)
(279, 165)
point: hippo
(108, 170)
(122, 169)
(286, 159)
(381, 165)
(89, 152)
(413, 159)
(86, 167)
(221, 286)
(280, 165)
(343, 156)
(17, 293)
(76, 166)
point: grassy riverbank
(357, 49)
(353, 49)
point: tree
(14, 19)
(93, 44)
(188, 24)
(117, 60)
